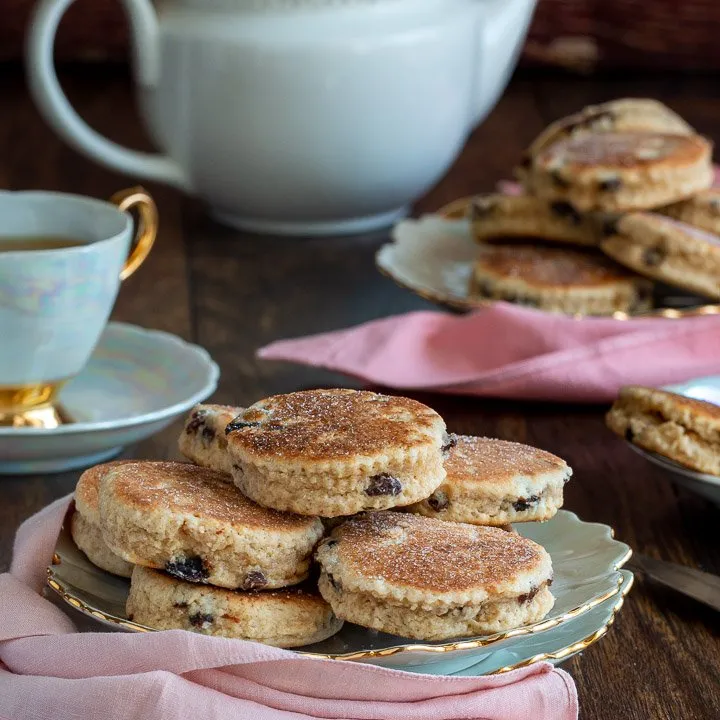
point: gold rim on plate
(67, 594)
(556, 655)
(579, 645)
(457, 210)
(487, 640)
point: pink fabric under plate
(509, 351)
(512, 352)
(48, 671)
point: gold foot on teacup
(44, 416)
(32, 405)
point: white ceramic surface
(433, 257)
(708, 389)
(136, 383)
(299, 116)
(54, 303)
(585, 557)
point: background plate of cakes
(349, 525)
(615, 215)
(676, 428)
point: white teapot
(299, 116)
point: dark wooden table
(232, 293)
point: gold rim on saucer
(458, 209)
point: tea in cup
(62, 258)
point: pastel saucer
(135, 384)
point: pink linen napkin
(50, 671)
(508, 351)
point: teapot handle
(503, 25)
(61, 116)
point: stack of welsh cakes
(615, 197)
(229, 543)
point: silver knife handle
(703, 587)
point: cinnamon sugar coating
(427, 579)
(87, 488)
(546, 267)
(558, 280)
(628, 150)
(410, 559)
(621, 115)
(331, 424)
(488, 461)
(617, 172)
(195, 525)
(494, 482)
(337, 452)
(200, 492)
(85, 522)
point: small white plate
(135, 384)
(586, 561)
(708, 389)
(434, 258)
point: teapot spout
(502, 27)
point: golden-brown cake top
(86, 490)
(186, 489)
(474, 460)
(330, 424)
(548, 267)
(621, 115)
(623, 152)
(410, 551)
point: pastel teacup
(62, 258)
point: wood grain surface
(233, 292)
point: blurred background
(581, 35)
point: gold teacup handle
(146, 230)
